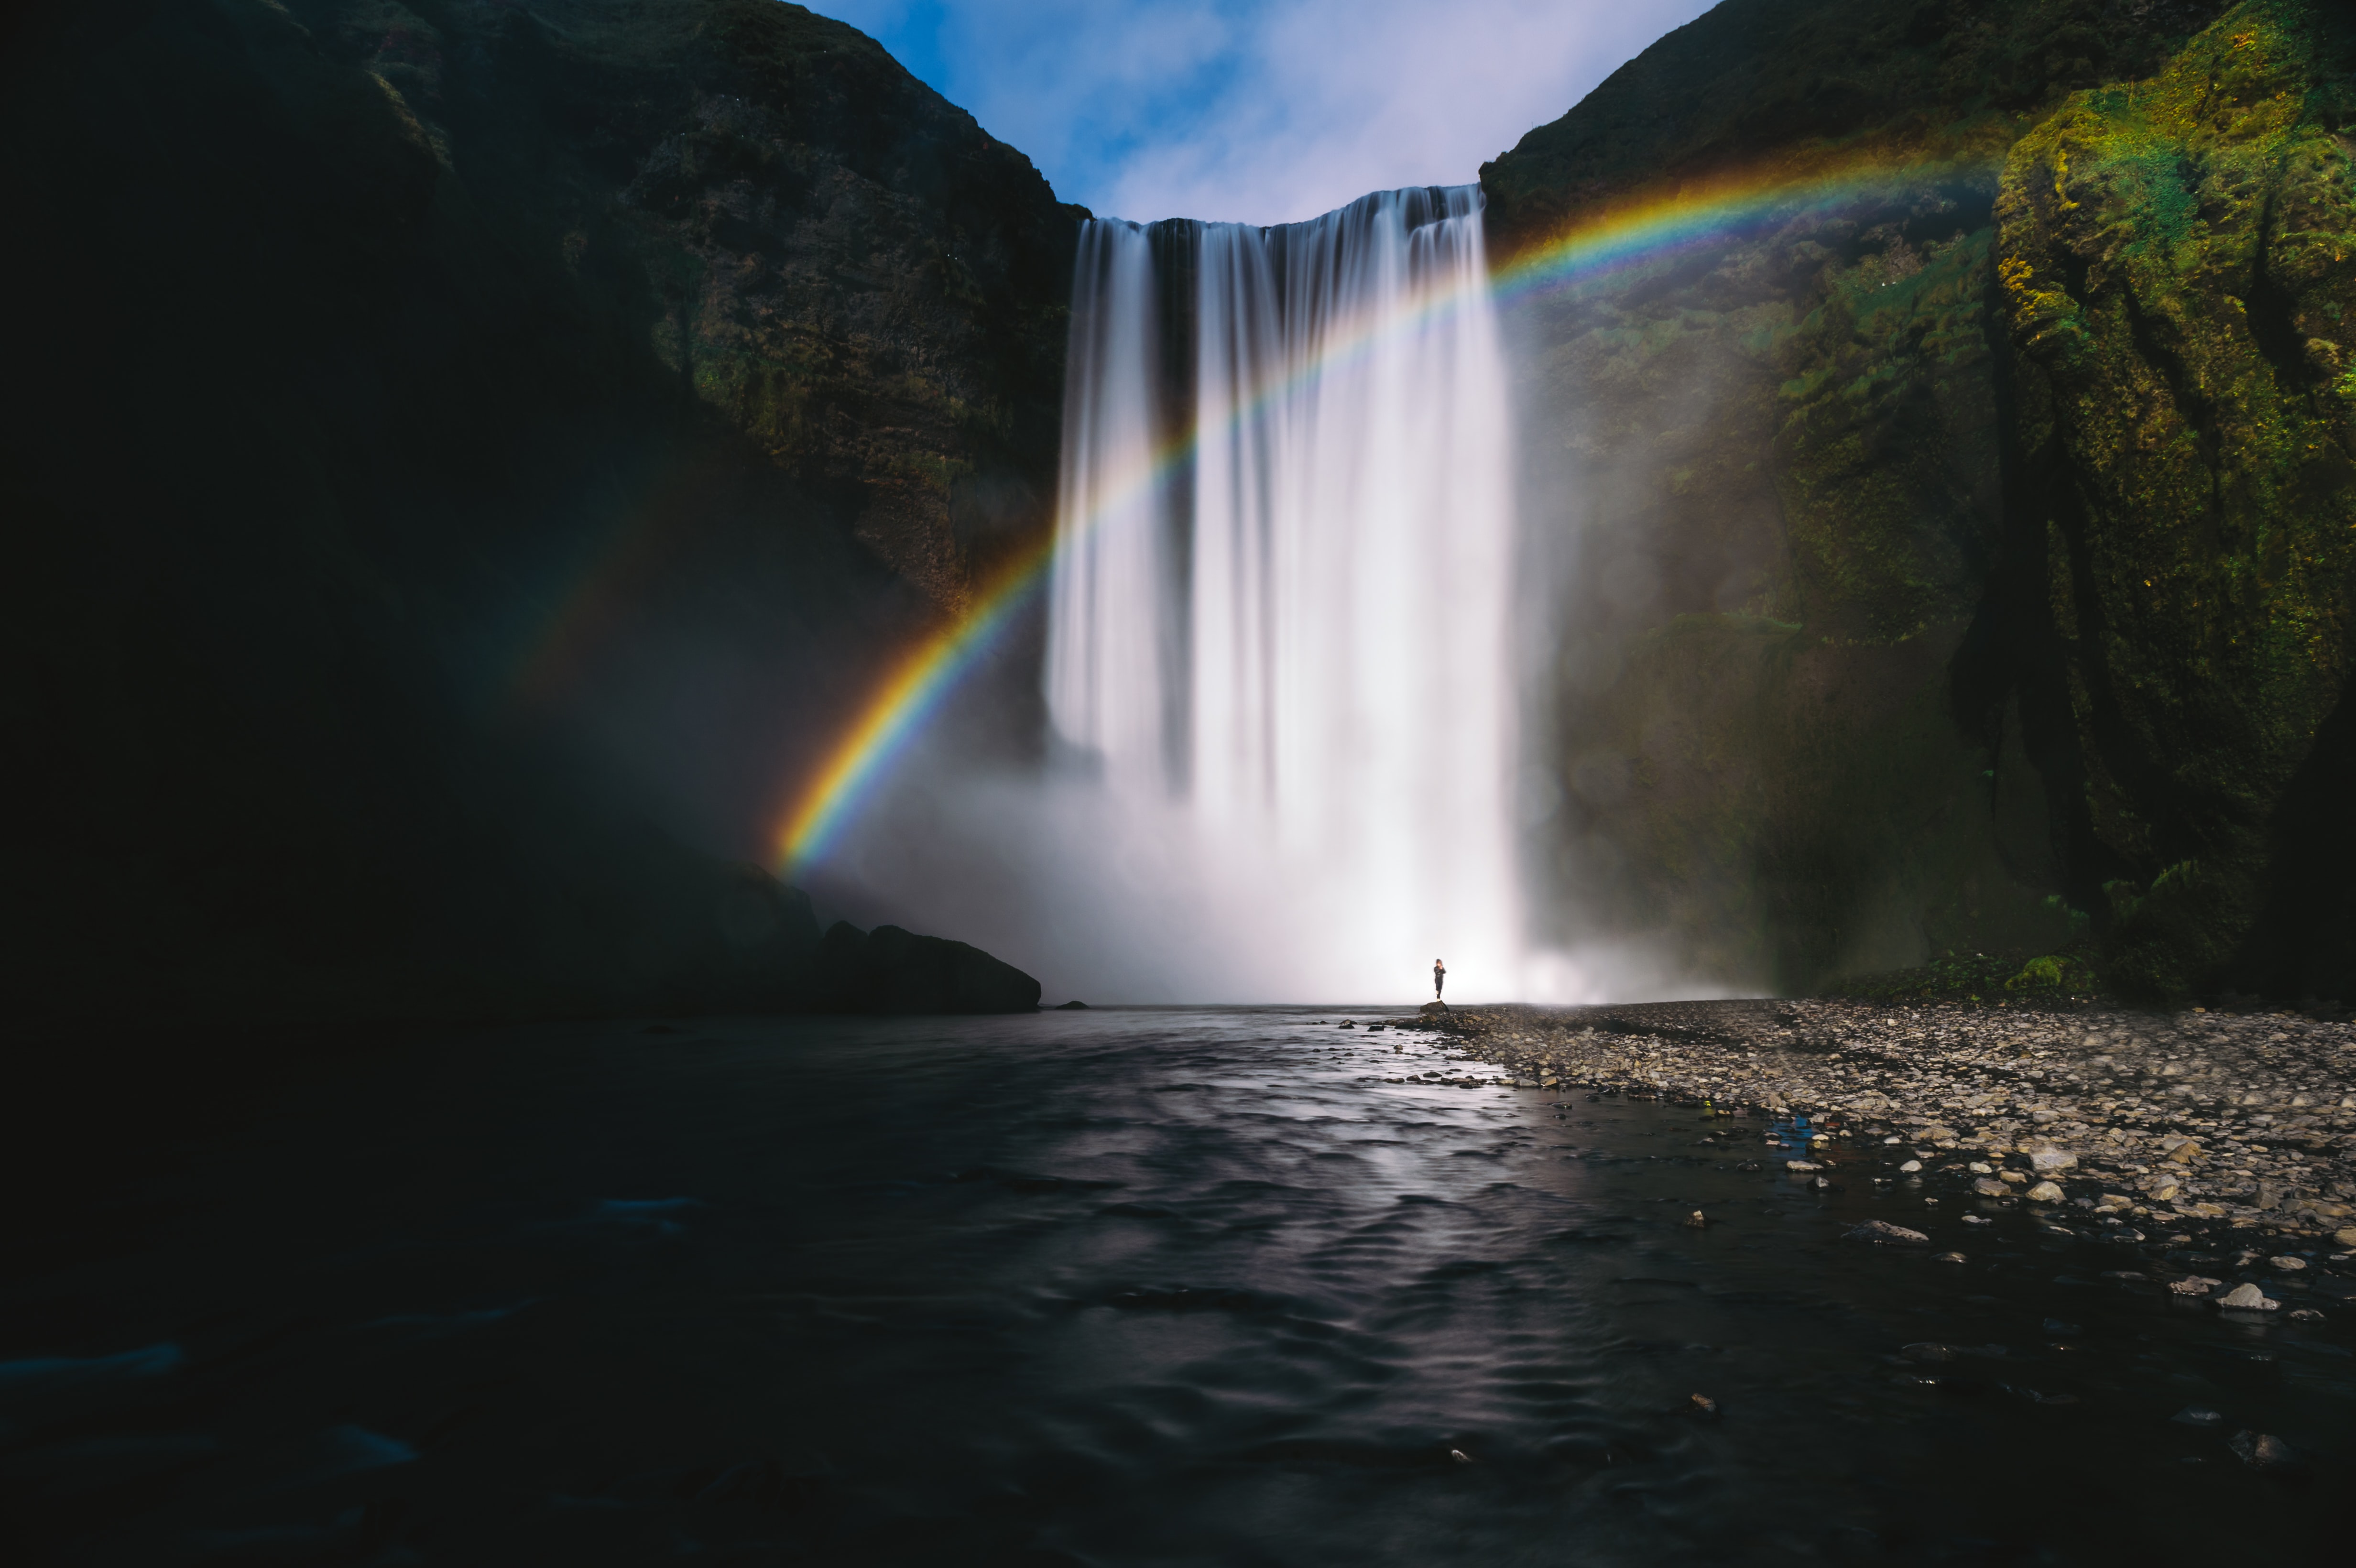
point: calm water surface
(1140, 1287)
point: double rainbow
(1643, 233)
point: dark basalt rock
(2265, 1451)
(889, 970)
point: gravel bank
(2196, 1120)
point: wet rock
(2264, 1451)
(2289, 1264)
(1801, 1167)
(1881, 1232)
(2193, 1285)
(2197, 1415)
(1696, 1221)
(1702, 1405)
(2307, 1315)
(2051, 1161)
(1950, 1258)
(2044, 1192)
(1989, 1186)
(1910, 1167)
(2345, 1235)
(1460, 1457)
(2248, 1298)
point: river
(1116, 1287)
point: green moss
(1980, 977)
(2109, 431)
(1887, 434)
(2174, 256)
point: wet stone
(2248, 1298)
(1883, 1233)
(2264, 1451)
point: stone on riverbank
(1881, 1232)
(2264, 1451)
(2198, 1121)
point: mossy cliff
(2178, 270)
(463, 458)
(2029, 303)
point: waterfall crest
(1279, 620)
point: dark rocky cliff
(1965, 536)
(460, 453)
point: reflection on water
(1148, 1286)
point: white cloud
(1259, 111)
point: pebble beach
(2192, 1123)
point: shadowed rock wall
(463, 458)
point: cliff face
(2177, 261)
(459, 451)
(1850, 672)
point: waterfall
(1279, 619)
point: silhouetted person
(1439, 977)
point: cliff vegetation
(1961, 539)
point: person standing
(1439, 977)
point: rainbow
(896, 710)
(1643, 232)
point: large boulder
(889, 970)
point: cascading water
(1280, 618)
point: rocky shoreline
(2236, 1128)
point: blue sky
(1258, 111)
